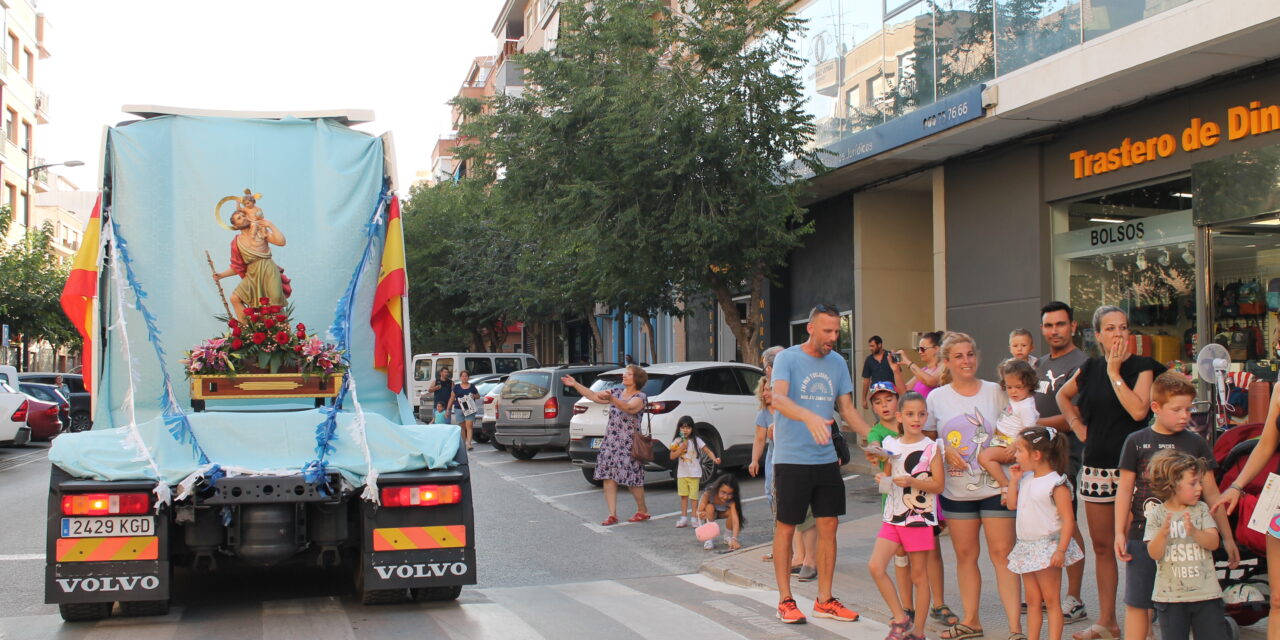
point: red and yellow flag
(82, 288)
(388, 309)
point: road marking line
(676, 513)
(863, 629)
(645, 615)
(566, 495)
(549, 473)
(22, 556)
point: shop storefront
(1171, 211)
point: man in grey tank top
(1054, 369)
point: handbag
(642, 444)
(841, 445)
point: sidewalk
(854, 586)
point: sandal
(768, 557)
(960, 631)
(639, 517)
(1018, 636)
(610, 521)
(1095, 632)
(942, 613)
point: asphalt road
(546, 569)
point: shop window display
(1133, 249)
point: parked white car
(13, 416)
(719, 396)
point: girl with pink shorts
(912, 480)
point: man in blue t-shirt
(810, 384)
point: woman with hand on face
(615, 464)
(1115, 401)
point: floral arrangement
(266, 340)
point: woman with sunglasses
(927, 375)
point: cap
(883, 385)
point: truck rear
(241, 292)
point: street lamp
(26, 204)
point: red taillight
(488, 399)
(665, 406)
(551, 408)
(427, 495)
(105, 504)
(579, 409)
(20, 414)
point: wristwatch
(1237, 487)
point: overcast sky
(402, 58)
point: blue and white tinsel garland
(316, 471)
(171, 412)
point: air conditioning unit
(602, 310)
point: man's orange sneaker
(834, 610)
(789, 613)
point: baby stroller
(1246, 591)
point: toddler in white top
(1018, 378)
(1045, 524)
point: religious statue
(260, 276)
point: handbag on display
(642, 444)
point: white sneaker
(1073, 610)
(708, 545)
(682, 522)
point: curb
(714, 568)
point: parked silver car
(534, 408)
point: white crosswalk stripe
(660, 607)
(644, 614)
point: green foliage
(31, 282)
(648, 159)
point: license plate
(595, 442)
(110, 526)
(520, 415)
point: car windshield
(526, 384)
(656, 384)
(487, 386)
(42, 393)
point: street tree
(31, 282)
(664, 143)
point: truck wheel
(523, 454)
(84, 611)
(437, 594)
(590, 475)
(145, 608)
(80, 421)
(384, 596)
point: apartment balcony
(42, 107)
(42, 35)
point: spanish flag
(82, 288)
(388, 305)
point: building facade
(1008, 153)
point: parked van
(426, 366)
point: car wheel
(499, 447)
(712, 439)
(479, 436)
(520, 453)
(590, 475)
(80, 421)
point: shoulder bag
(841, 445)
(642, 443)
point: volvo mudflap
(420, 542)
(106, 544)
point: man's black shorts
(799, 487)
